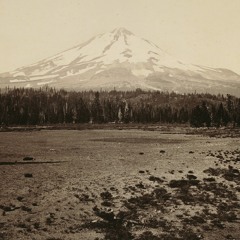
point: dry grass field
(119, 185)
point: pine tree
(96, 109)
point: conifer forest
(21, 106)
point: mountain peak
(121, 31)
(121, 60)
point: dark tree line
(50, 106)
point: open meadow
(119, 184)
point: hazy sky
(205, 32)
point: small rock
(105, 214)
(155, 179)
(28, 158)
(106, 204)
(210, 179)
(106, 195)
(237, 188)
(27, 209)
(230, 237)
(191, 177)
(7, 208)
(28, 175)
(19, 198)
(182, 183)
(140, 185)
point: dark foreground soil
(119, 184)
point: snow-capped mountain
(121, 60)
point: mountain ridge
(121, 60)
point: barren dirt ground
(112, 184)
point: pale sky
(205, 32)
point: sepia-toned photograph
(119, 120)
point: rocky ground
(119, 184)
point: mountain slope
(121, 60)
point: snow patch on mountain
(44, 83)
(141, 72)
(18, 74)
(34, 78)
(17, 81)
